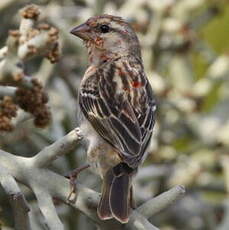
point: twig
(3, 52)
(46, 184)
(60, 147)
(20, 210)
(160, 202)
(18, 202)
(47, 208)
(7, 91)
(139, 222)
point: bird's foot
(72, 176)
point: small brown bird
(118, 104)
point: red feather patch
(136, 84)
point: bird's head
(108, 35)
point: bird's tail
(116, 194)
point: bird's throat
(97, 55)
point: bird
(118, 107)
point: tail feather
(119, 198)
(115, 200)
(104, 211)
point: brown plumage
(118, 104)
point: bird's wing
(120, 107)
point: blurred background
(185, 47)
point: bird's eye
(104, 28)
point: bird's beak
(82, 31)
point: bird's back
(117, 100)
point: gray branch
(7, 91)
(46, 184)
(47, 208)
(155, 205)
(60, 147)
(17, 200)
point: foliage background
(185, 47)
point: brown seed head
(34, 101)
(8, 110)
(31, 11)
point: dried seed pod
(31, 11)
(8, 110)
(53, 55)
(34, 100)
(43, 26)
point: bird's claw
(72, 179)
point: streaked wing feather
(99, 123)
(147, 119)
(127, 127)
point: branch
(32, 39)
(3, 52)
(139, 222)
(161, 202)
(47, 208)
(27, 42)
(7, 91)
(60, 147)
(18, 202)
(45, 184)
(20, 210)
